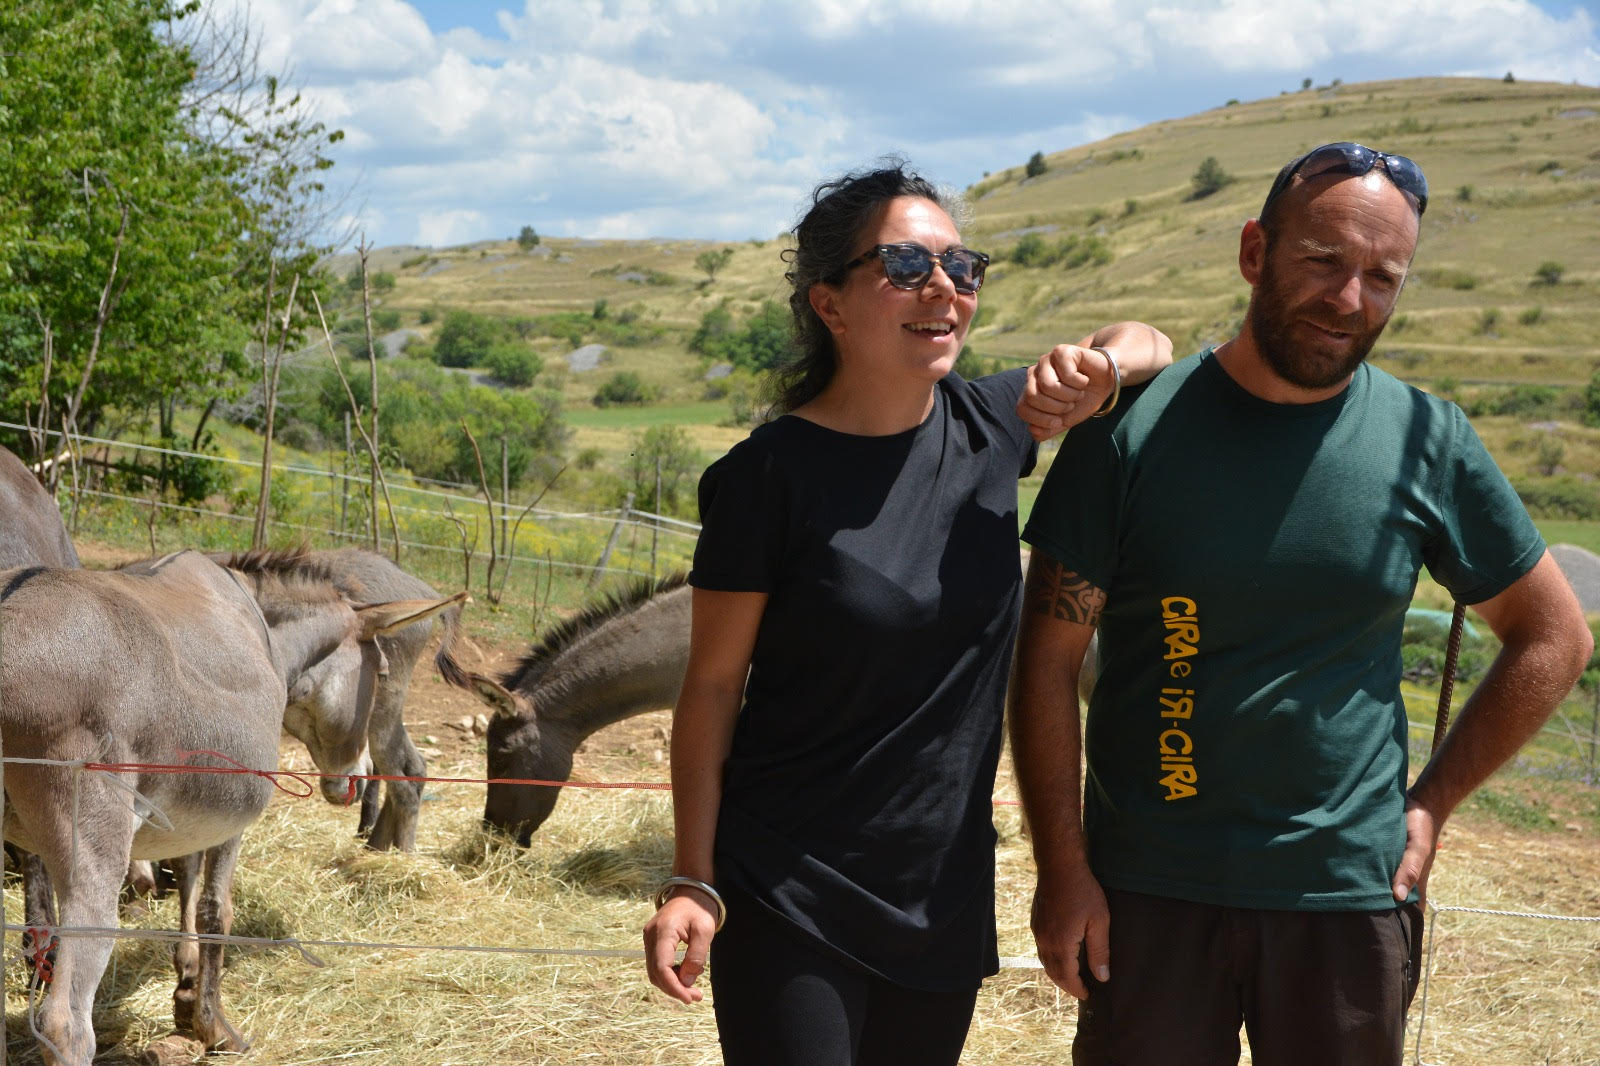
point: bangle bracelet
(679, 881)
(1116, 384)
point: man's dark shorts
(1309, 987)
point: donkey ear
(497, 696)
(379, 618)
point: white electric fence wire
(143, 808)
(1427, 965)
(466, 496)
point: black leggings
(783, 1001)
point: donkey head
(521, 748)
(332, 666)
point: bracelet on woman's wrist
(664, 890)
(1116, 383)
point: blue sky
(467, 119)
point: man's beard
(1298, 362)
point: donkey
(31, 534)
(31, 530)
(174, 661)
(361, 576)
(620, 657)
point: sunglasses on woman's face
(1347, 157)
(909, 266)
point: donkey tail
(444, 659)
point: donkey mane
(286, 581)
(295, 562)
(563, 635)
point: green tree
(465, 338)
(1208, 178)
(711, 262)
(671, 451)
(150, 182)
(528, 239)
(1036, 165)
(1549, 272)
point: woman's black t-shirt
(857, 795)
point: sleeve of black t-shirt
(743, 515)
(998, 394)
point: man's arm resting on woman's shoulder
(1070, 382)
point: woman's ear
(825, 302)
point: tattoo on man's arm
(1056, 592)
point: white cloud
(453, 226)
(1293, 35)
(342, 38)
(715, 117)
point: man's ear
(825, 302)
(1252, 251)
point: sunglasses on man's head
(909, 266)
(1347, 157)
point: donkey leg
(215, 915)
(38, 895)
(186, 953)
(88, 894)
(394, 753)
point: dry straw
(1503, 990)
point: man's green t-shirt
(1246, 741)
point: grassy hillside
(1514, 172)
(1515, 175)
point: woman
(856, 593)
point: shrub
(1464, 194)
(1531, 315)
(465, 338)
(1525, 401)
(1559, 497)
(624, 388)
(1031, 251)
(1208, 178)
(512, 363)
(1549, 272)
(528, 238)
(1071, 252)
(1488, 318)
(386, 320)
(762, 343)
(422, 410)
(1036, 165)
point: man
(1247, 538)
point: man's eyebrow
(1312, 246)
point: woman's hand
(687, 917)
